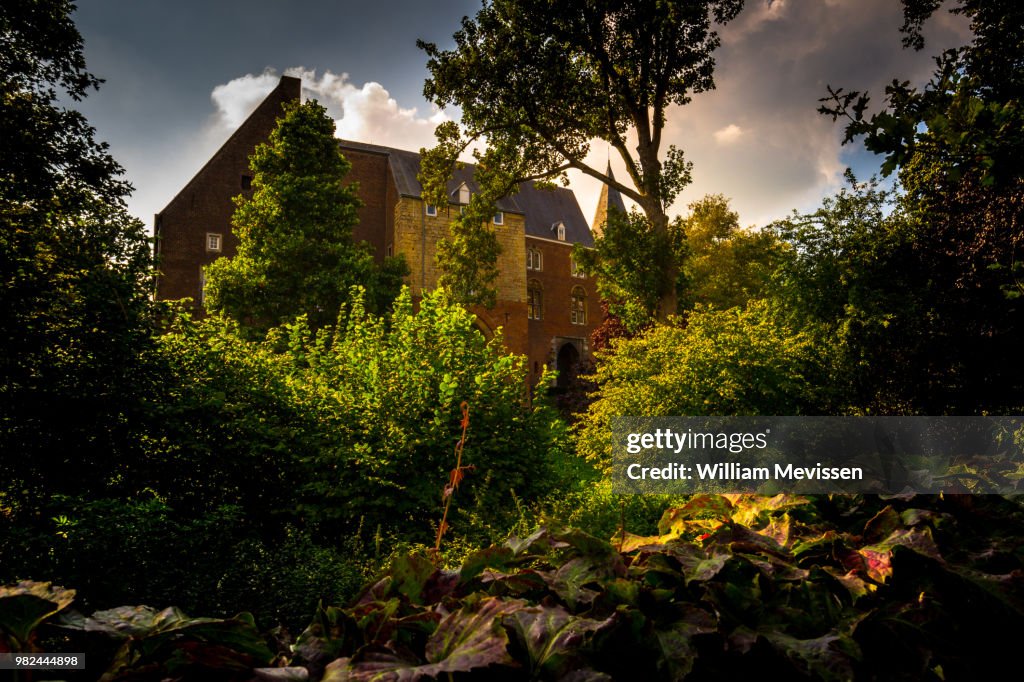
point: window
(577, 270)
(578, 309)
(534, 259)
(534, 300)
(246, 182)
(561, 232)
(431, 210)
(463, 194)
(499, 218)
(213, 242)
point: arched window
(578, 309)
(534, 300)
(534, 259)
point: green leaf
(469, 639)
(411, 573)
(552, 638)
(25, 606)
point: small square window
(431, 210)
(499, 218)
(246, 182)
(213, 242)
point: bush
(388, 393)
(741, 361)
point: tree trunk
(668, 301)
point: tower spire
(610, 198)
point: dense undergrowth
(830, 587)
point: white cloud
(729, 134)
(365, 113)
(236, 99)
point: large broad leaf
(675, 641)
(332, 634)
(23, 607)
(699, 511)
(571, 579)
(552, 638)
(698, 565)
(748, 509)
(411, 574)
(877, 558)
(492, 557)
(123, 622)
(540, 540)
(172, 641)
(469, 639)
(831, 657)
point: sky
(180, 76)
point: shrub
(388, 392)
(741, 361)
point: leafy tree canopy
(958, 146)
(74, 266)
(538, 80)
(296, 254)
(725, 265)
(968, 115)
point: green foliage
(824, 588)
(726, 265)
(389, 391)
(74, 266)
(538, 81)
(24, 607)
(296, 255)
(958, 147)
(629, 259)
(467, 259)
(733, 362)
(967, 118)
(827, 588)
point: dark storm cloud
(757, 138)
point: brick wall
(205, 204)
(555, 328)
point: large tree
(958, 145)
(296, 255)
(74, 266)
(539, 80)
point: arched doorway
(567, 363)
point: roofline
(232, 136)
(555, 241)
(452, 203)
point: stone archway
(484, 328)
(567, 363)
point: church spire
(610, 198)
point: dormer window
(559, 229)
(462, 194)
(499, 218)
(431, 210)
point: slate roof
(543, 209)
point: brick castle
(545, 305)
